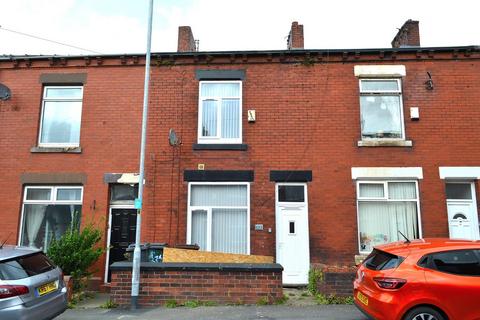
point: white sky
(119, 26)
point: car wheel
(424, 313)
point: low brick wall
(206, 282)
(336, 281)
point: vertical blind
(229, 230)
(225, 208)
(219, 195)
(199, 228)
(209, 118)
(220, 107)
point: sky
(120, 26)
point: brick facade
(307, 109)
(222, 284)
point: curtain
(229, 230)
(219, 195)
(199, 228)
(33, 221)
(379, 222)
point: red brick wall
(307, 119)
(223, 287)
(110, 136)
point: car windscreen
(25, 266)
(380, 260)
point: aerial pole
(138, 201)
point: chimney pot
(186, 42)
(295, 37)
(408, 35)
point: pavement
(300, 305)
(319, 312)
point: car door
(453, 277)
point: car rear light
(389, 283)
(7, 291)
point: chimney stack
(407, 36)
(295, 37)
(186, 42)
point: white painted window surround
(387, 172)
(468, 173)
(220, 112)
(388, 71)
(219, 216)
(61, 116)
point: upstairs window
(220, 112)
(381, 109)
(61, 116)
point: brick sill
(385, 143)
(206, 146)
(359, 258)
(56, 150)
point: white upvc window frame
(52, 201)
(191, 208)
(398, 93)
(385, 198)
(218, 138)
(46, 99)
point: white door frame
(292, 204)
(473, 202)
(109, 233)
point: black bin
(150, 252)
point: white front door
(292, 238)
(462, 211)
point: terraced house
(310, 156)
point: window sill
(385, 143)
(56, 150)
(220, 146)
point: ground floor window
(219, 217)
(48, 211)
(384, 208)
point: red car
(427, 279)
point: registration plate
(46, 288)
(362, 298)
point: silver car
(31, 286)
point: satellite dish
(5, 92)
(172, 137)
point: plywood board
(182, 255)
